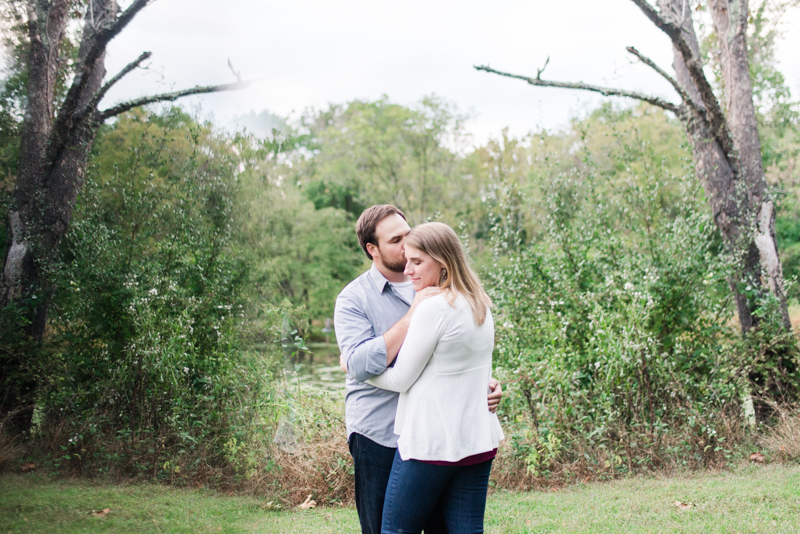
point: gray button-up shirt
(365, 309)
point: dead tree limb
(672, 81)
(677, 31)
(170, 97)
(606, 91)
(110, 83)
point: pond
(318, 368)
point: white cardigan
(442, 373)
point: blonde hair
(441, 243)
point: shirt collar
(378, 279)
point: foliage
(149, 301)
(366, 153)
(613, 323)
(183, 249)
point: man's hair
(369, 220)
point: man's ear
(373, 250)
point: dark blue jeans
(373, 465)
(416, 489)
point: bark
(730, 23)
(714, 166)
(54, 149)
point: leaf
(757, 457)
(28, 466)
(101, 513)
(308, 503)
(683, 505)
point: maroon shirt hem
(469, 460)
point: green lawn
(755, 499)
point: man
(371, 320)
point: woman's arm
(424, 331)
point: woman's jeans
(415, 488)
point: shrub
(614, 329)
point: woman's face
(423, 270)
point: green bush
(145, 365)
(614, 327)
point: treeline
(191, 246)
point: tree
(725, 143)
(380, 152)
(56, 137)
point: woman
(448, 437)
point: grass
(754, 499)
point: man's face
(390, 234)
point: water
(319, 368)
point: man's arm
(363, 354)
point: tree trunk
(54, 150)
(730, 23)
(730, 168)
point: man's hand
(424, 294)
(495, 394)
(342, 362)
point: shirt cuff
(376, 356)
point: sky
(309, 53)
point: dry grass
(622, 454)
(783, 438)
(11, 449)
(322, 469)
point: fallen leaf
(308, 503)
(101, 513)
(682, 505)
(328, 517)
(757, 457)
(28, 466)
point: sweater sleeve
(424, 331)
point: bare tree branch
(169, 97)
(714, 114)
(237, 74)
(105, 35)
(99, 41)
(673, 31)
(687, 99)
(607, 91)
(103, 90)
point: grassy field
(754, 499)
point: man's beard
(395, 266)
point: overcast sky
(310, 53)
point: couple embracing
(418, 324)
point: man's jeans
(417, 488)
(373, 465)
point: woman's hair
(441, 243)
